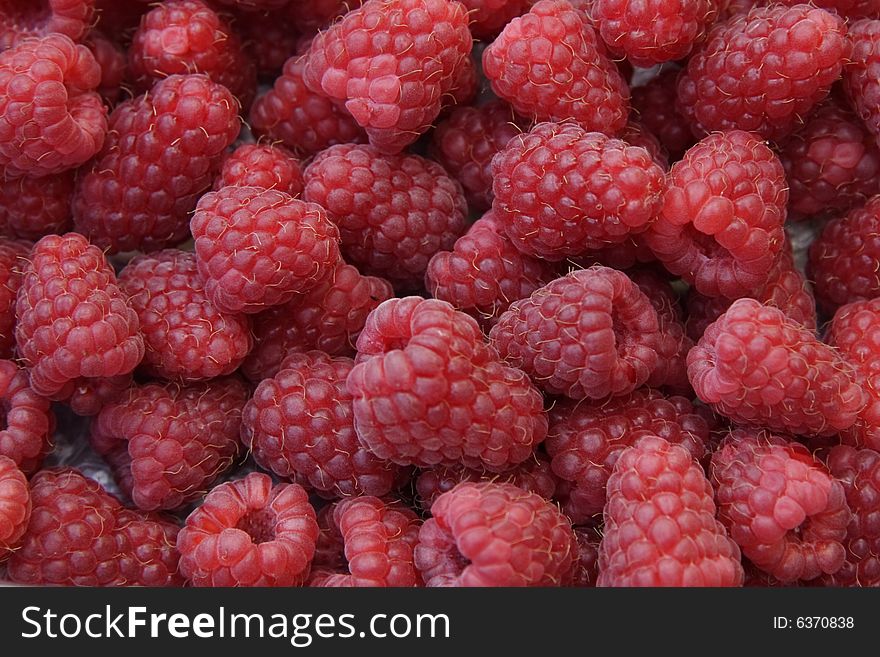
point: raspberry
(33, 207)
(860, 76)
(635, 133)
(187, 36)
(561, 191)
(90, 395)
(393, 211)
(270, 38)
(115, 17)
(466, 142)
(721, 225)
(484, 273)
(74, 324)
(20, 19)
(782, 507)
(249, 533)
(328, 318)
(488, 17)
(550, 65)
(486, 534)
(654, 104)
(624, 255)
(660, 526)
(359, 61)
(15, 506)
(13, 257)
(80, 535)
(186, 337)
(756, 366)
(167, 443)
(51, 119)
(258, 248)
(300, 423)
(330, 546)
(304, 121)
(27, 420)
(586, 566)
(254, 5)
(847, 8)
(585, 440)
(314, 15)
(267, 167)
(428, 391)
(159, 157)
(763, 71)
(590, 334)
(111, 58)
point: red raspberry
(860, 76)
(167, 444)
(254, 5)
(484, 273)
(654, 104)
(488, 17)
(51, 119)
(394, 211)
(585, 570)
(300, 424)
(314, 15)
(486, 534)
(586, 439)
(270, 38)
(20, 19)
(756, 366)
(428, 391)
(111, 58)
(249, 533)
(782, 507)
(15, 506)
(27, 420)
(330, 547)
(80, 535)
(391, 62)
(258, 248)
(74, 324)
(328, 318)
(625, 255)
(120, 17)
(186, 337)
(550, 65)
(721, 225)
(847, 8)
(590, 334)
(635, 133)
(33, 207)
(763, 71)
(660, 527)
(260, 165)
(90, 395)
(13, 258)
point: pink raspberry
(249, 533)
(860, 76)
(27, 420)
(428, 391)
(550, 65)
(20, 19)
(13, 259)
(15, 506)
(261, 165)
(33, 207)
(51, 118)
(654, 104)
(590, 334)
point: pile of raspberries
(440, 292)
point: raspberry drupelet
(262, 165)
(15, 506)
(21, 19)
(27, 420)
(33, 207)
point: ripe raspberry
(847, 8)
(80, 535)
(585, 571)
(484, 273)
(660, 527)
(74, 324)
(550, 65)
(115, 17)
(860, 76)
(328, 318)
(635, 133)
(488, 17)
(27, 420)
(393, 211)
(585, 440)
(254, 5)
(486, 534)
(721, 225)
(330, 546)
(51, 119)
(13, 258)
(186, 337)
(110, 56)
(314, 15)
(249, 533)
(260, 165)
(466, 142)
(15, 506)
(590, 334)
(258, 248)
(654, 104)
(33, 207)
(89, 396)
(167, 443)
(159, 157)
(763, 71)
(625, 255)
(428, 391)
(782, 507)
(269, 38)
(20, 19)
(300, 423)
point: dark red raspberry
(258, 248)
(550, 65)
(80, 535)
(585, 571)
(13, 259)
(391, 62)
(160, 156)
(586, 439)
(723, 211)
(660, 527)
(860, 76)
(261, 165)
(254, 5)
(20, 19)
(394, 211)
(428, 391)
(624, 255)
(51, 118)
(186, 337)
(90, 395)
(328, 318)
(635, 133)
(27, 420)
(484, 273)
(561, 191)
(763, 71)
(313, 15)
(782, 507)
(15, 506)
(110, 56)
(847, 8)
(270, 38)
(330, 547)
(486, 534)
(74, 323)
(300, 424)
(654, 104)
(590, 334)
(33, 207)
(120, 17)
(249, 533)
